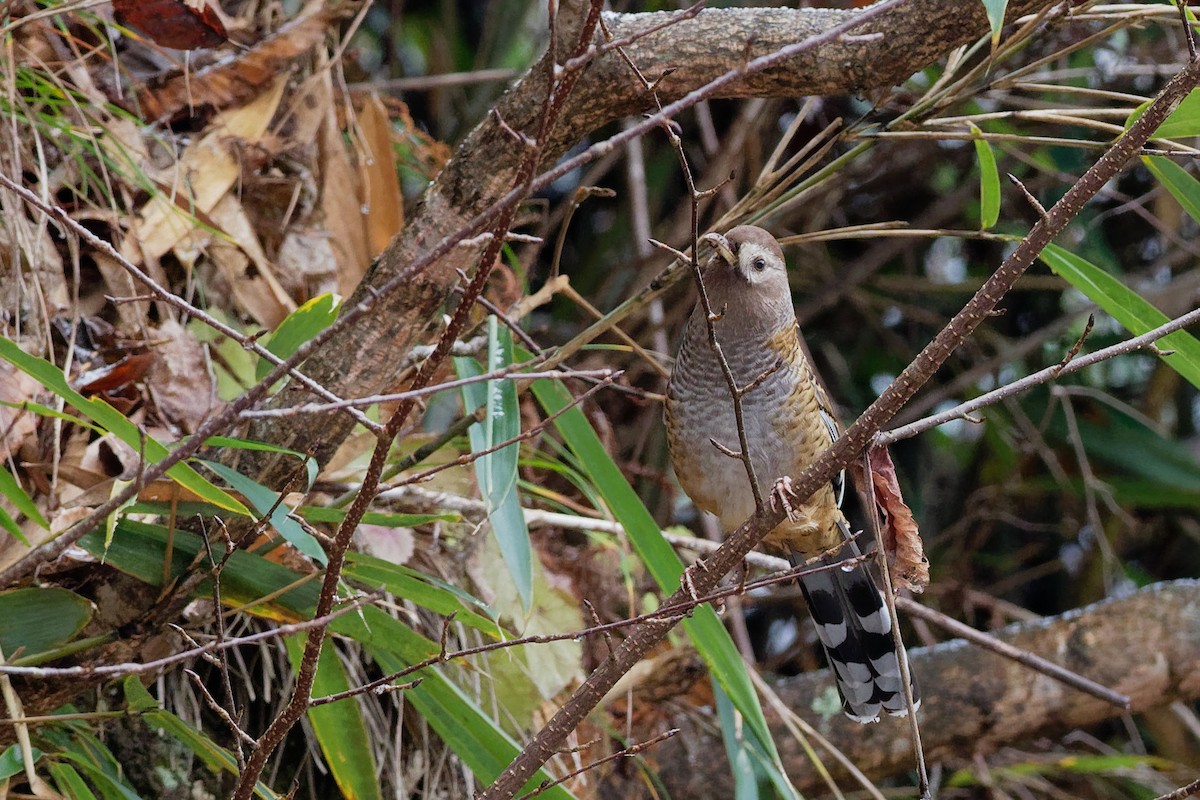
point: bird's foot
(782, 497)
(686, 584)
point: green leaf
(497, 472)
(52, 413)
(36, 619)
(110, 419)
(339, 727)
(297, 328)
(1178, 181)
(139, 550)
(69, 782)
(705, 629)
(10, 489)
(989, 180)
(424, 590)
(310, 464)
(137, 698)
(215, 757)
(1184, 121)
(266, 501)
(12, 763)
(995, 14)
(1127, 307)
(457, 719)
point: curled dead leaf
(901, 537)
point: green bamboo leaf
(267, 501)
(310, 464)
(1184, 121)
(995, 13)
(457, 719)
(37, 619)
(339, 727)
(10, 489)
(215, 757)
(989, 180)
(110, 419)
(1178, 181)
(11, 762)
(497, 472)
(139, 550)
(104, 773)
(53, 413)
(705, 629)
(1127, 307)
(424, 590)
(297, 328)
(69, 782)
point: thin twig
(509, 372)
(889, 598)
(1039, 377)
(1024, 657)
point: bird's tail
(855, 628)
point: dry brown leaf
(244, 264)
(181, 380)
(341, 201)
(395, 545)
(307, 254)
(17, 427)
(205, 172)
(901, 538)
(230, 82)
(376, 160)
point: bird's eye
(760, 263)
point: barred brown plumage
(788, 424)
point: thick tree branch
(1146, 645)
(362, 360)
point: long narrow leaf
(1178, 181)
(340, 729)
(989, 180)
(995, 14)
(139, 549)
(266, 501)
(497, 471)
(1127, 307)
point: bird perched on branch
(787, 426)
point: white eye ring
(759, 263)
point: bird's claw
(782, 497)
(689, 588)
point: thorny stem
(846, 448)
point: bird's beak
(719, 243)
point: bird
(788, 424)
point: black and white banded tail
(855, 629)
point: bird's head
(746, 258)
